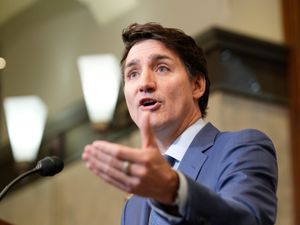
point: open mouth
(148, 102)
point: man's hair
(177, 41)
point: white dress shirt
(177, 150)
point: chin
(159, 125)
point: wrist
(171, 205)
(171, 192)
(169, 201)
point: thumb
(147, 136)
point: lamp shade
(25, 120)
(100, 78)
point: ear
(198, 86)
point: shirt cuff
(180, 201)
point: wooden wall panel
(291, 23)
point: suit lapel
(195, 157)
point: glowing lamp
(100, 79)
(25, 120)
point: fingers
(105, 166)
(111, 169)
(147, 136)
(114, 182)
(120, 152)
(105, 156)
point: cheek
(129, 98)
(180, 96)
(176, 92)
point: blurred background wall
(41, 41)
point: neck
(166, 136)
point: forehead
(146, 49)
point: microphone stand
(8, 187)
(47, 166)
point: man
(219, 178)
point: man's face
(156, 80)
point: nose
(147, 82)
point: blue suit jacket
(232, 180)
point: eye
(132, 75)
(162, 69)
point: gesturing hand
(140, 171)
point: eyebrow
(157, 57)
(154, 57)
(131, 63)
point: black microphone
(47, 166)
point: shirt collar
(181, 144)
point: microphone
(48, 166)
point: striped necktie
(170, 160)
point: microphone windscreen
(49, 166)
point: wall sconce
(100, 79)
(2, 63)
(25, 120)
